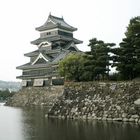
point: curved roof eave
(54, 38)
(56, 22)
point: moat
(31, 124)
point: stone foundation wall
(118, 101)
(36, 96)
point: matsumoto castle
(56, 41)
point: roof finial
(62, 17)
(50, 14)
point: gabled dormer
(40, 59)
(45, 45)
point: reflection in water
(30, 124)
(10, 123)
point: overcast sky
(104, 19)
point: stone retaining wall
(118, 101)
(36, 96)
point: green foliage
(4, 95)
(93, 65)
(127, 57)
(71, 67)
(99, 58)
(87, 74)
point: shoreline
(107, 101)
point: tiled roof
(50, 53)
(57, 22)
(36, 76)
(61, 56)
(71, 44)
(29, 66)
(22, 66)
(55, 38)
(34, 53)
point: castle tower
(56, 41)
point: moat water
(31, 124)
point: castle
(56, 41)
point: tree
(93, 65)
(88, 66)
(4, 95)
(127, 56)
(72, 67)
(99, 58)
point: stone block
(109, 119)
(125, 119)
(137, 102)
(124, 115)
(131, 120)
(135, 116)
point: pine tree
(99, 58)
(127, 57)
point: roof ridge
(56, 22)
(61, 19)
(56, 17)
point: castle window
(48, 33)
